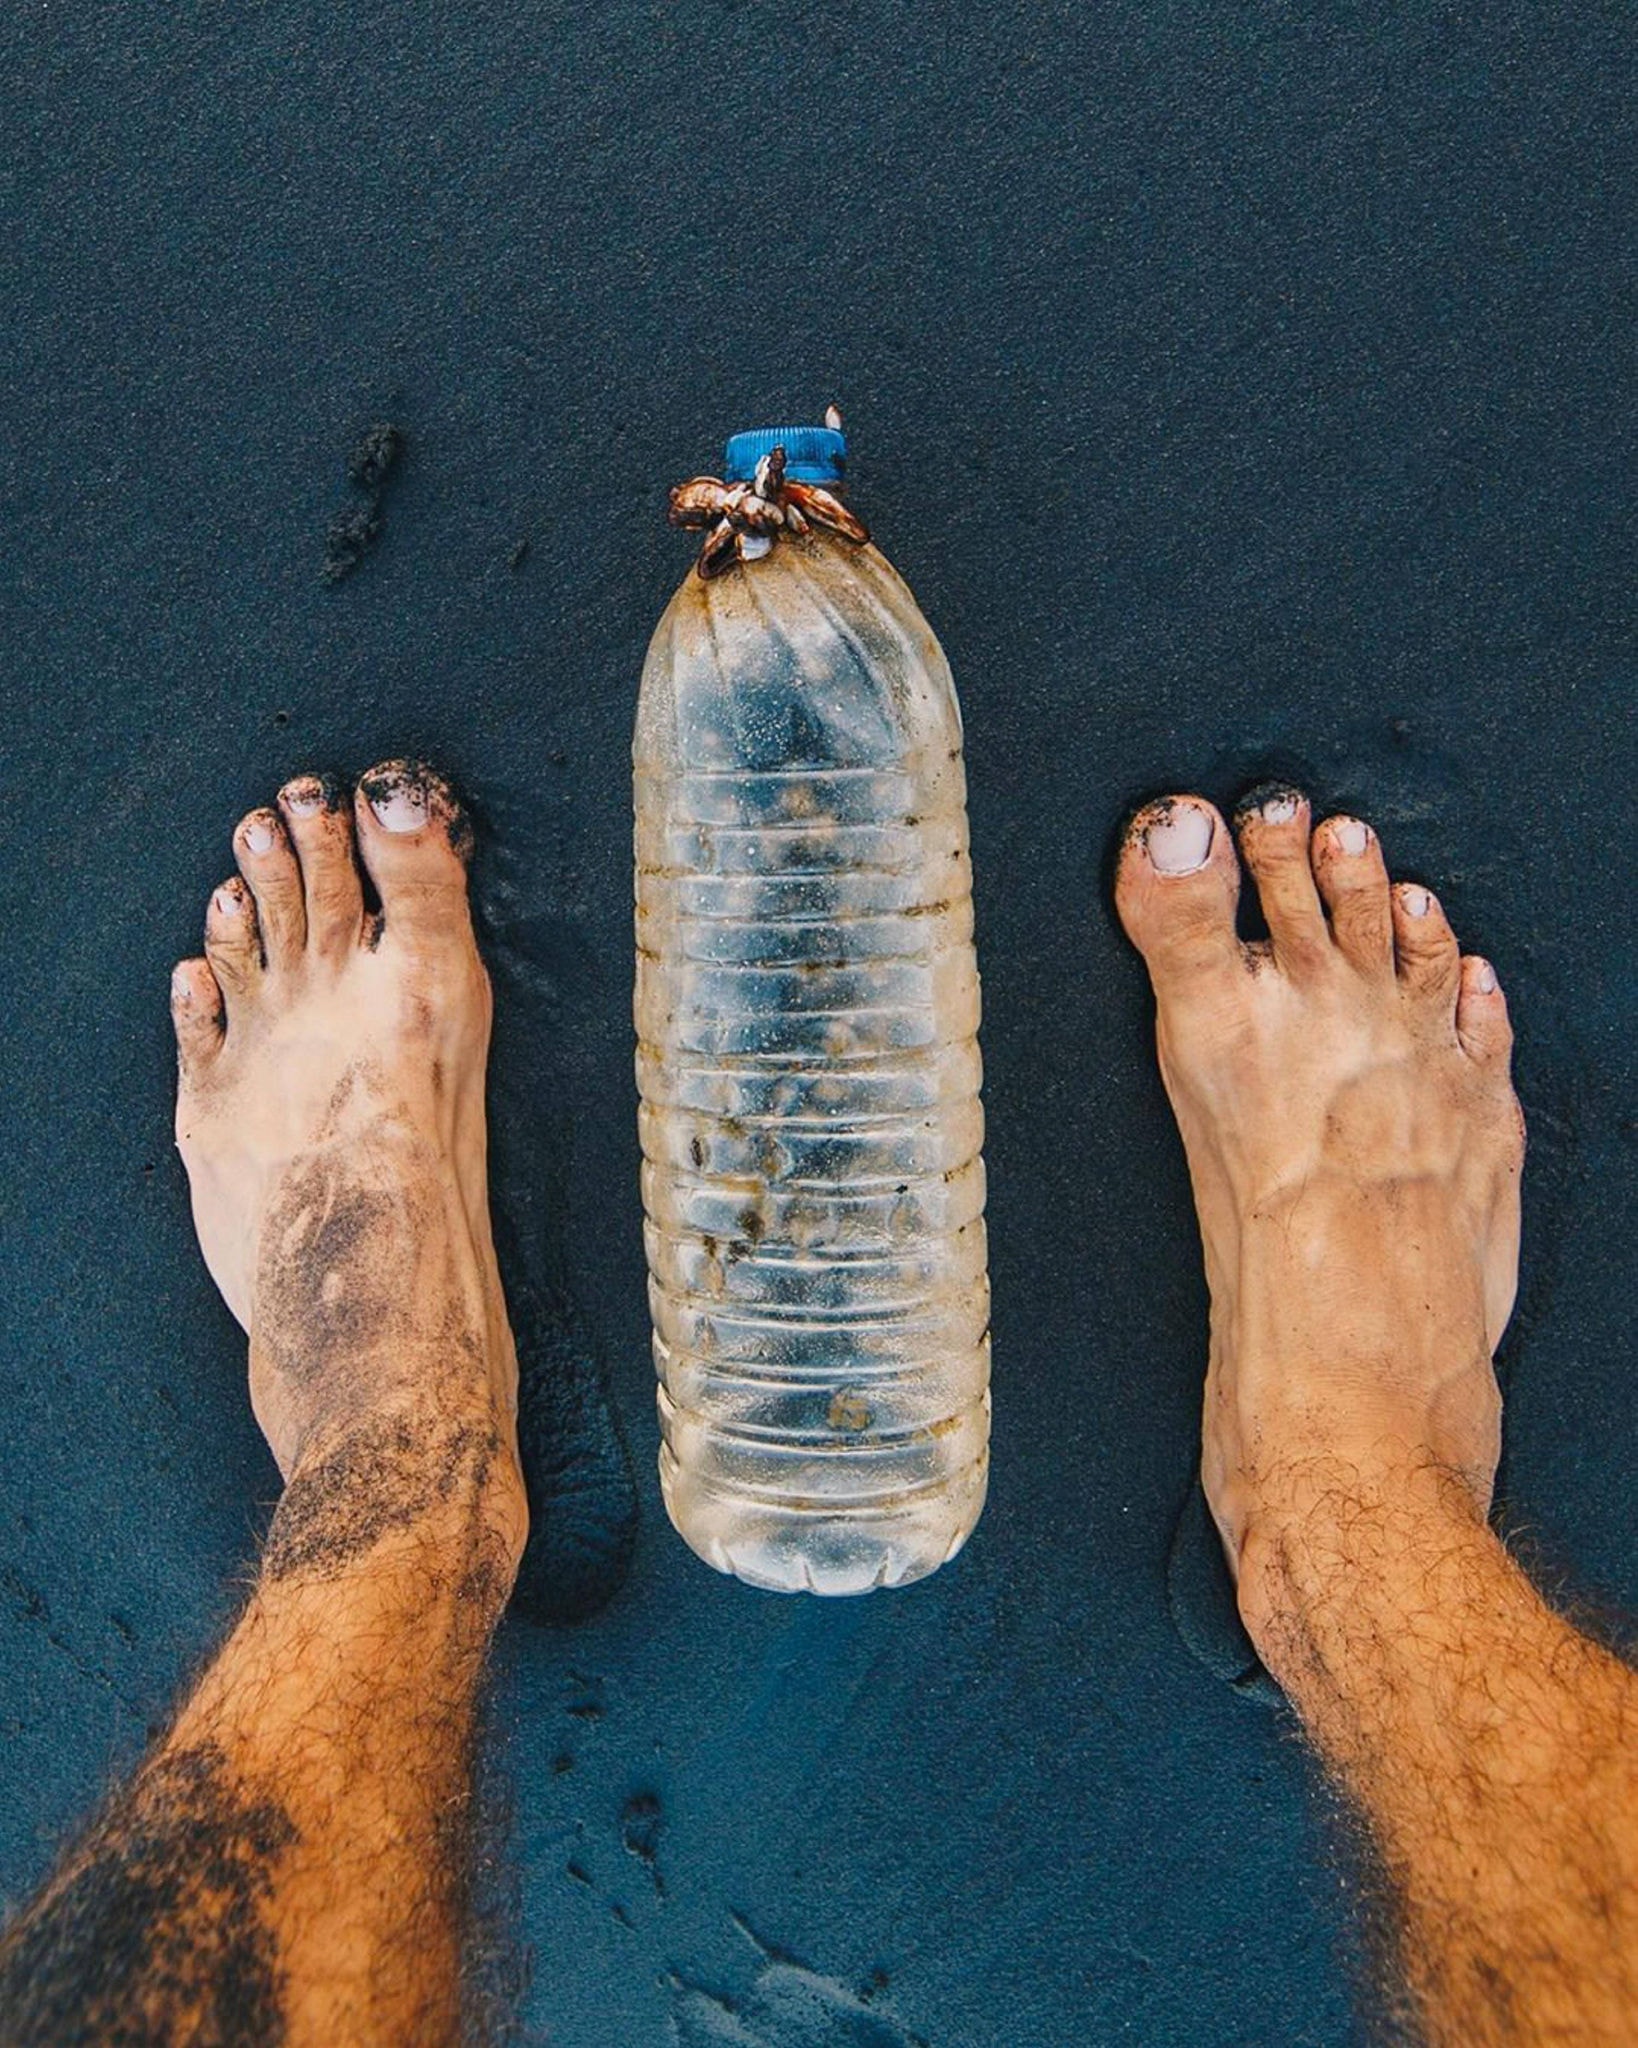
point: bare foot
(1355, 1147)
(330, 1112)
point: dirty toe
(414, 840)
(198, 1015)
(1176, 890)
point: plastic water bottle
(807, 1011)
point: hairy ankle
(1341, 1530)
(440, 1494)
(1315, 1406)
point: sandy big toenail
(405, 810)
(1180, 842)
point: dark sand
(1241, 390)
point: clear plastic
(807, 1015)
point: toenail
(1484, 978)
(403, 809)
(1417, 902)
(1351, 835)
(259, 836)
(227, 902)
(1279, 810)
(302, 799)
(1179, 841)
(181, 985)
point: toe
(1176, 889)
(1274, 827)
(196, 1011)
(232, 943)
(414, 840)
(318, 818)
(268, 864)
(1347, 859)
(1481, 1013)
(1425, 947)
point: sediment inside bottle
(807, 1007)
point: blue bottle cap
(813, 455)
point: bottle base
(781, 1549)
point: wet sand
(1239, 398)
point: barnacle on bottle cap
(813, 455)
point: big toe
(415, 840)
(1176, 890)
